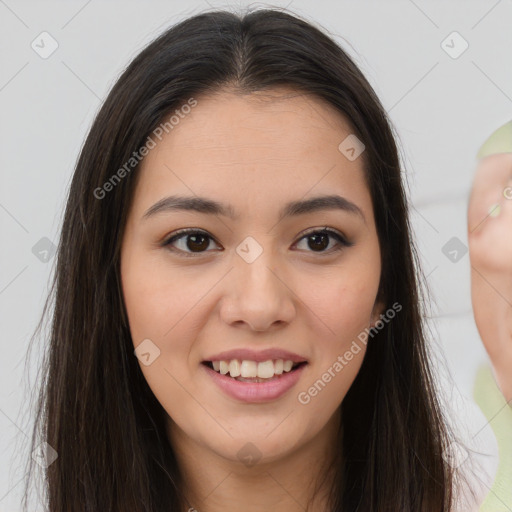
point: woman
(237, 306)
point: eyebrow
(211, 207)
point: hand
(490, 252)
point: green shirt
(491, 401)
(499, 142)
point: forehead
(279, 121)
(271, 143)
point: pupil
(193, 247)
(322, 245)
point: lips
(256, 390)
(255, 375)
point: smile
(253, 371)
(254, 388)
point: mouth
(253, 371)
(252, 381)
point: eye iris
(195, 238)
(317, 237)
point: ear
(378, 309)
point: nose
(258, 297)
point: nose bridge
(255, 263)
(258, 297)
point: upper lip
(257, 355)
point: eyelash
(342, 242)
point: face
(255, 278)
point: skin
(255, 152)
(490, 251)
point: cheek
(344, 301)
(344, 297)
(159, 305)
(156, 298)
(338, 350)
(345, 312)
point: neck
(298, 481)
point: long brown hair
(96, 409)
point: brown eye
(191, 241)
(319, 240)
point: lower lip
(256, 391)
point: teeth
(224, 368)
(234, 368)
(251, 369)
(266, 369)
